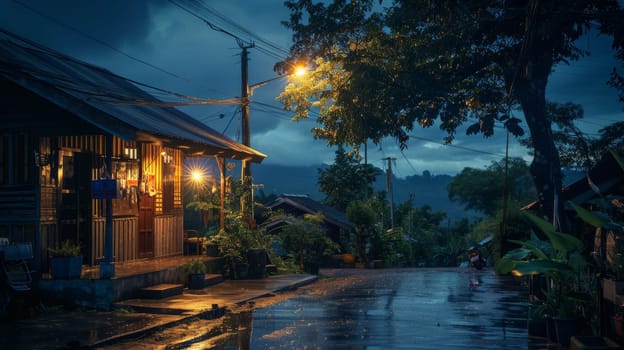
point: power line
(457, 146)
(101, 42)
(244, 30)
(97, 90)
(196, 9)
(212, 26)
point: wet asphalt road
(402, 309)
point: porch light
(167, 158)
(196, 175)
(130, 152)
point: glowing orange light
(300, 71)
(196, 175)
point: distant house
(297, 205)
(65, 125)
(607, 175)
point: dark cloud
(192, 59)
(116, 22)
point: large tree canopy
(381, 72)
(346, 180)
(483, 189)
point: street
(403, 309)
(371, 309)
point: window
(14, 157)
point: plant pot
(196, 281)
(212, 250)
(537, 328)
(66, 267)
(241, 271)
(566, 328)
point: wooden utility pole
(246, 196)
(389, 189)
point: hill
(424, 189)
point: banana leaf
(588, 216)
(617, 158)
(536, 267)
(561, 242)
(532, 247)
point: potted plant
(196, 272)
(243, 249)
(65, 261)
(307, 242)
(561, 261)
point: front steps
(161, 291)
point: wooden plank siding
(31, 209)
(18, 204)
(168, 235)
(125, 231)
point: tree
(578, 150)
(483, 189)
(346, 180)
(380, 73)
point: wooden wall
(168, 235)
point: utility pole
(246, 197)
(389, 189)
(503, 229)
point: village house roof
(101, 101)
(307, 205)
(607, 177)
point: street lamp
(246, 200)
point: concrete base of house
(93, 292)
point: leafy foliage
(578, 150)
(346, 180)
(418, 63)
(237, 239)
(561, 259)
(483, 189)
(305, 239)
(67, 248)
(194, 267)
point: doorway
(146, 226)
(74, 210)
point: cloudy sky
(158, 43)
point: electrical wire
(109, 93)
(101, 42)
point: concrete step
(212, 279)
(161, 291)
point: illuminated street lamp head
(300, 71)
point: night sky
(158, 43)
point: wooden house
(297, 205)
(65, 125)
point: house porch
(130, 277)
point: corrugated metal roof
(98, 96)
(310, 206)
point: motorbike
(476, 260)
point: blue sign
(104, 189)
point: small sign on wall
(104, 189)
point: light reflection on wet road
(403, 309)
